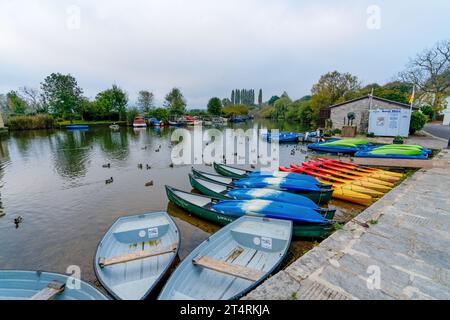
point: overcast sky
(208, 47)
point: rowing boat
(237, 173)
(231, 262)
(39, 285)
(202, 207)
(135, 254)
(305, 188)
(222, 191)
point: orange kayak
(353, 172)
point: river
(55, 181)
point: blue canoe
(77, 127)
(237, 173)
(268, 209)
(135, 254)
(38, 285)
(221, 191)
(332, 149)
(231, 262)
(262, 182)
(282, 137)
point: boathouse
(360, 107)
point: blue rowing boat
(236, 173)
(319, 194)
(135, 254)
(224, 192)
(231, 262)
(282, 137)
(77, 127)
(38, 285)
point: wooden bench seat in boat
(49, 292)
(230, 269)
(104, 262)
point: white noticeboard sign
(389, 122)
(446, 121)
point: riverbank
(396, 249)
(65, 123)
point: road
(438, 130)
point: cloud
(204, 47)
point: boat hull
(23, 285)
(255, 246)
(312, 231)
(264, 194)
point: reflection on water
(55, 180)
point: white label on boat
(256, 241)
(153, 233)
(266, 243)
(142, 233)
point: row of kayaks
(363, 148)
(286, 137)
(351, 183)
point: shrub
(418, 120)
(131, 114)
(398, 140)
(40, 121)
(429, 112)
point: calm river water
(55, 181)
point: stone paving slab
(399, 248)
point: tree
(32, 97)
(334, 87)
(260, 97)
(226, 102)
(145, 101)
(237, 98)
(15, 103)
(273, 99)
(215, 106)
(61, 94)
(233, 97)
(281, 106)
(236, 110)
(113, 100)
(395, 91)
(175, 102)
(429, 71)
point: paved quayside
(399, 248)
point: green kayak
(409, 152)
(351, 143)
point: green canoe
(409, 152)
(346, 143)
(321, 197)
(198, 205)
(238, 173)
(219, 191)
